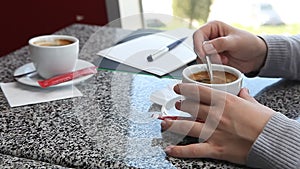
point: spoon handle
(209, 68)
(25, 74)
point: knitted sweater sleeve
(278, 146)
(283, 57)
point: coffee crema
(220, 77)
(56, 42)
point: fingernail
(178, 104)
(209, 48)
(176, 88)
(163, 124)
(168, 149)
(247, 90)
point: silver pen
(164, 50)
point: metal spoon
(25, 74)
(209, 68)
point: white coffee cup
(54, 54)
(233, 87)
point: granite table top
(110, 125)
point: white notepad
(135, 52)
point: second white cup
(54, 54)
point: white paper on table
(135, 52)
(19, 95)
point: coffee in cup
(219, 77)
(54, 42)
(226, 78)
(54, 54)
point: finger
(206, 32)
(198, 93)
(220, 45)
(213, 33)
(209, 48)
(244, 93)
(224, 59)
(216, 59)
(191, 91)
(199, 150)
(196, 109)
(198, 38)
(183, 127)
(212, 52)
(198, 60)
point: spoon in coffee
(209, 68)
(208, 64)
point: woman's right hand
(236, 48)
(229, 124)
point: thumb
(210, 49)
(244, 93)
(217, 45)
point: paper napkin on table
(19, 95)
(134, 53)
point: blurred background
(22, 20)
(257, 16)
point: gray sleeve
(283, 57)
(278, 146)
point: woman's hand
(237, 48)
(231, 124)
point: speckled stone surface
(110, 126)
(8, 161)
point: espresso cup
(54, 54)
(232, 86)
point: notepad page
(135, 52)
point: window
(259, 16)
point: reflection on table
(110, 126)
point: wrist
(261, 57)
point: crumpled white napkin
(19, 95)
